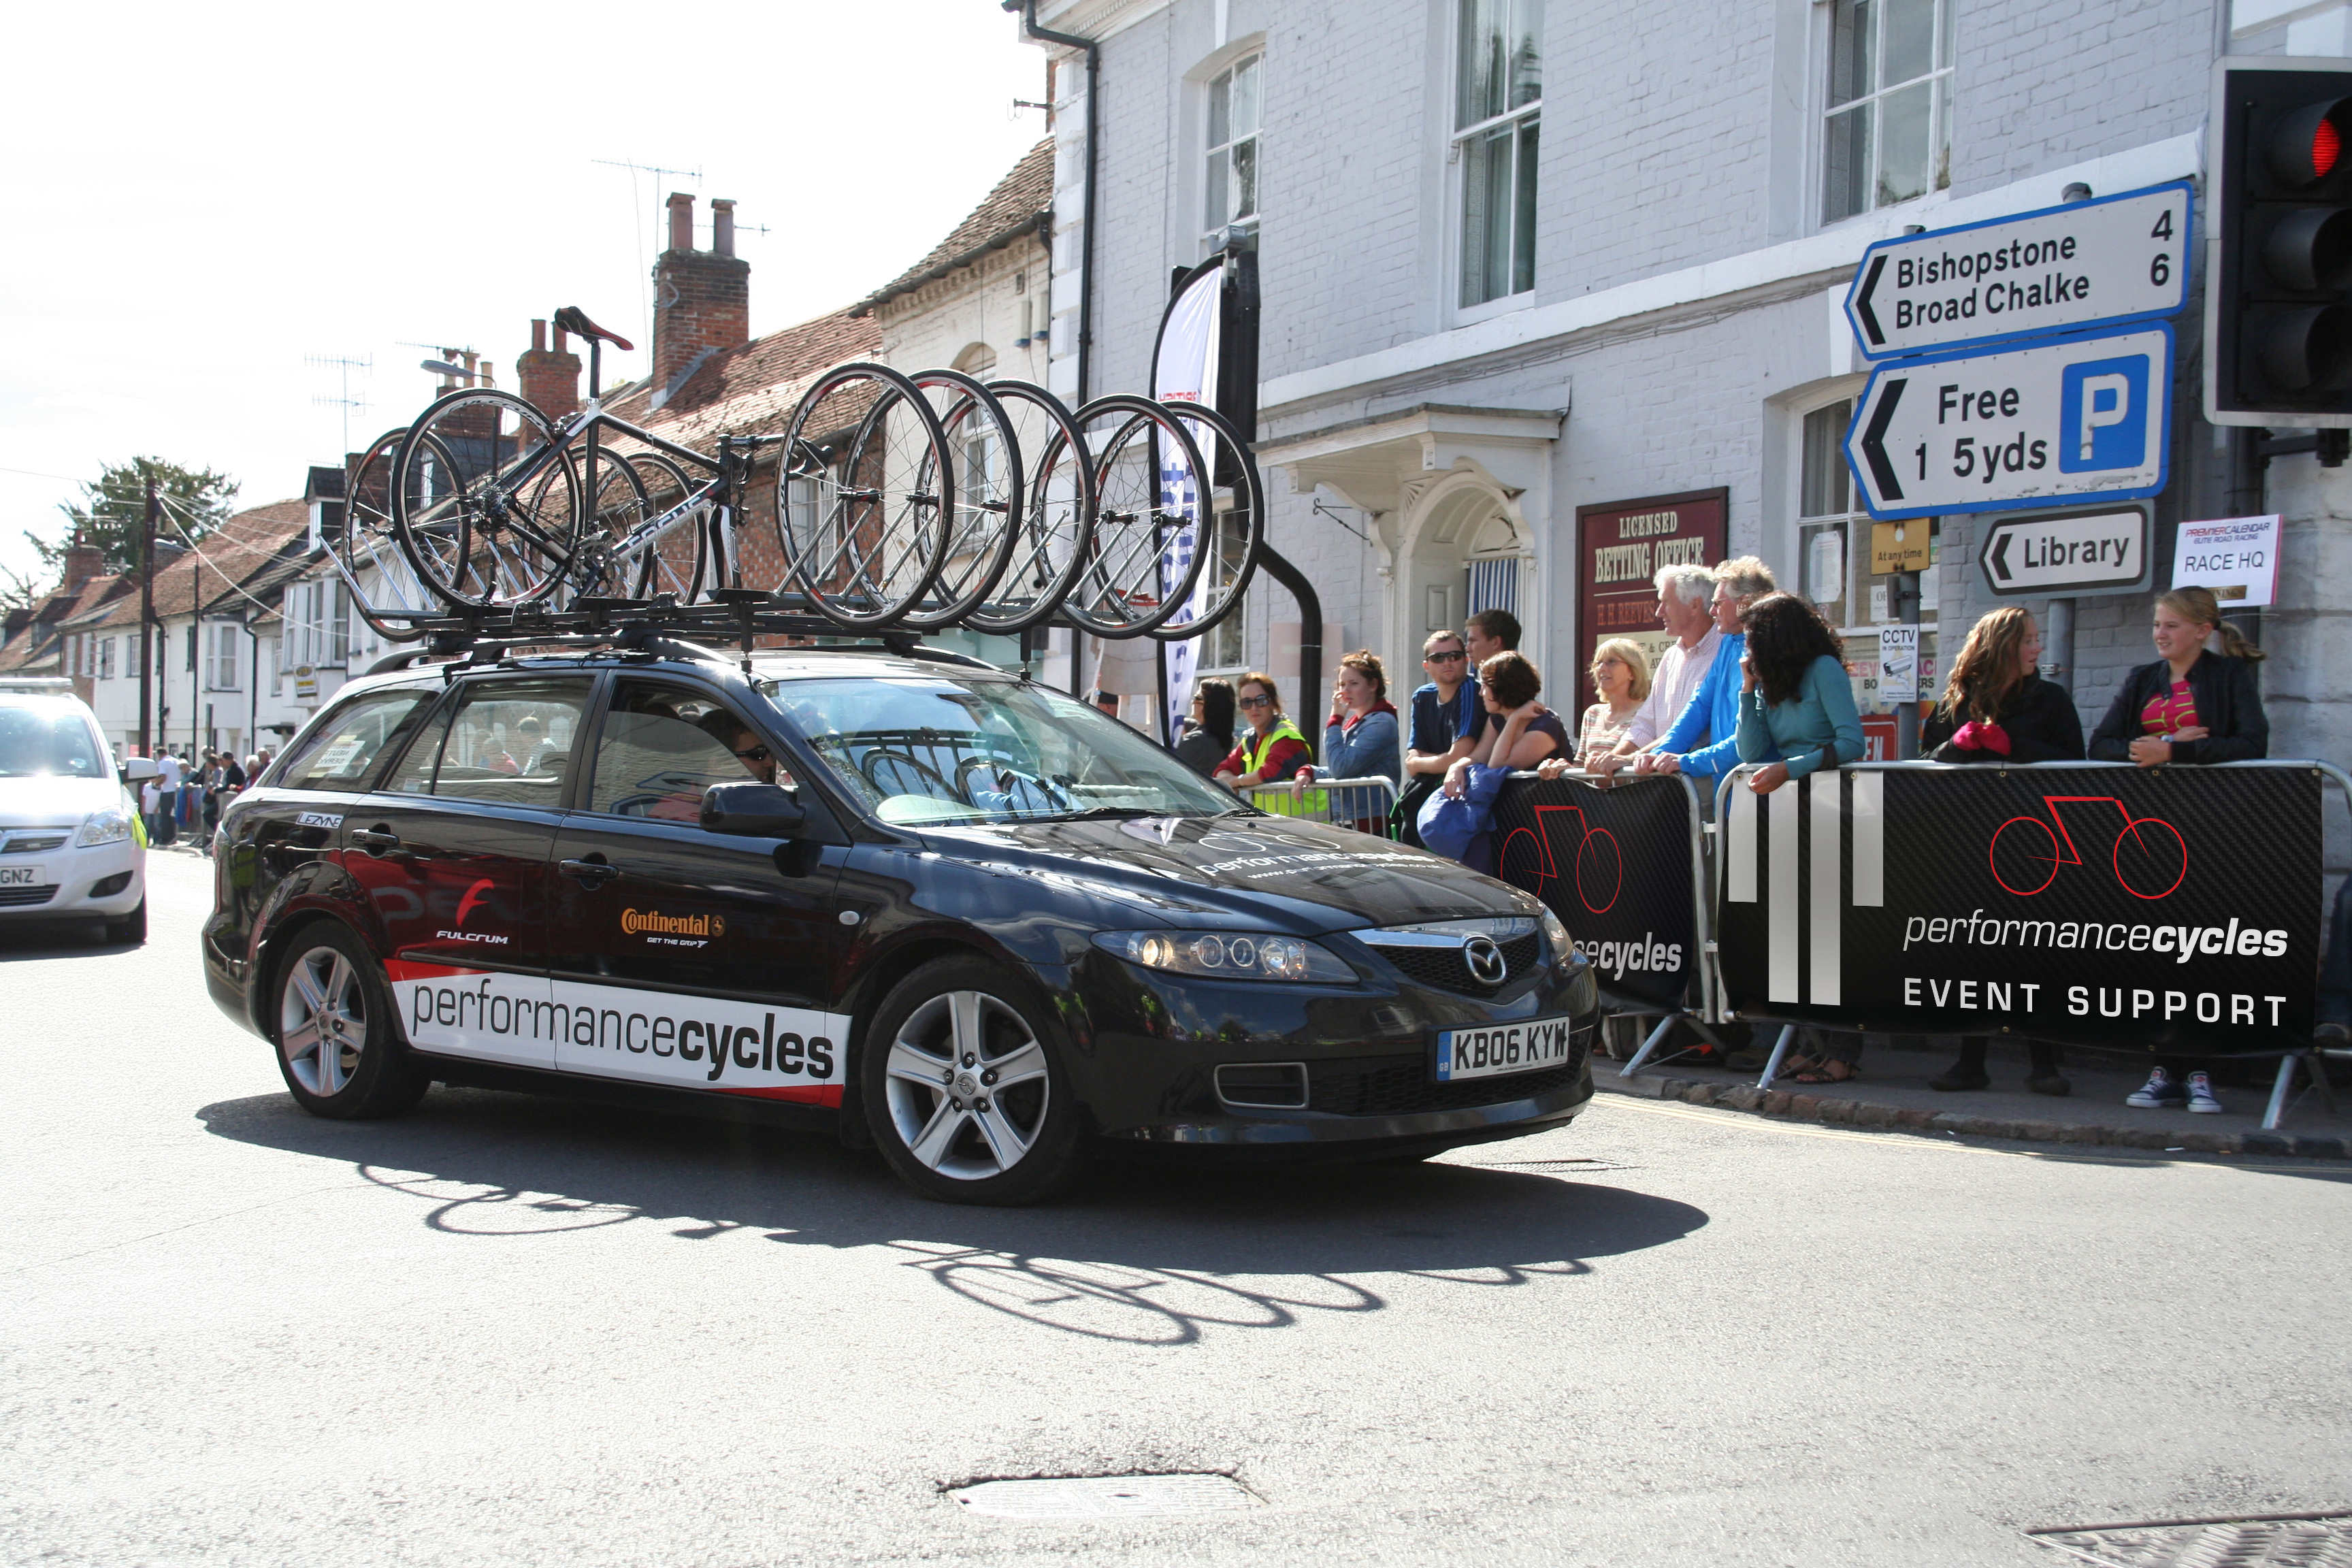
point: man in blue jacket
(1704, 741)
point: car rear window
(342, 749)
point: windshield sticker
(653, 1037)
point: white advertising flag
(1185, 371)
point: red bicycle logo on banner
(2149, 856)
(1599, 864)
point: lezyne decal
(653, 1036)
(319, 819)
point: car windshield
(944, 749)
(36, 742)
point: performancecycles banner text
(1616, 866)
(610, 1031)
(2171, 909)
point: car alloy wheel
(968, 1086)
(322, 1021)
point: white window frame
(1940, 124)
(1457, 159)
(1212, 238)
(221, 661)
(105, 659)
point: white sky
(199, 197)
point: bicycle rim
(1238, 504)
(368, 544)
(987, 485)
(1150, 490)
(862, 499)
(675, 561)
(1057, 511)
(486, 506)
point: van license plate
(1529, 1047)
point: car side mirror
(752, 810)
(139, 770)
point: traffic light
(2278, 301)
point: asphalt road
(504, 1331)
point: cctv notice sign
(2147, 909)
(2082, 419)
(2093, 263)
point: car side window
(344, 747)
(662, 746)
(507, 740)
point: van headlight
(1228, 955)
(111, 825)
(1556, 938)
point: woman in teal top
(1796, 702)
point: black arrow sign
(1862, 301)
(2001, 555)
(1874, 449)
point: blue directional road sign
(2069, 420)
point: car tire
(964, 1090)
(338, 1046)
(132, 928)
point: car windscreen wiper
(1093, 813)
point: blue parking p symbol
(2103, 416)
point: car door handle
(592, 872)
(376, 840)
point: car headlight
(1556, 936)
(108, 827)
(1227, 955)
(1583, 991)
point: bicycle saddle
(574, 320)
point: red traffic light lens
(2306, 143)
(2327, 145)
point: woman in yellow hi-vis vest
(1270, 749)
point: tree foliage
(111, 512)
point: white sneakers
(2161, 1093)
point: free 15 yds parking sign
(2079, 418)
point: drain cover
(2277, 1541)
(1105, 1497)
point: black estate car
(905, 897)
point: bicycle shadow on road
(1143, 1255)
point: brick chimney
(83, 561)
(549, 378)
(702, 299)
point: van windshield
(941, 749)
(35, 742)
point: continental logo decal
(641, 923)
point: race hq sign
(2174, 910)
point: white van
(71, 845)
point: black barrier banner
(1615, 865)
(2173, 909)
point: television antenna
(692, 177)
(342, 365)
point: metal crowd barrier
(1360, 803)
(1736, 833)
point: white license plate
(22, 876)
(1529, 1047)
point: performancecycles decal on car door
(650, 1036)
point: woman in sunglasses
(1271, 748)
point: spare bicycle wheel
(486, 501)
(389, 594)
(1049, 548)
(1238, 504)
(986, 488)
(1151, 490)
(862, 496)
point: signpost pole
(1907, 714)
(2058, 643)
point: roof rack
(742, 616)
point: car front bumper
(71, 877)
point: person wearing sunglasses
(1271, 748)
(1448, 717)
(753, 754)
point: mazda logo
(1484, 958)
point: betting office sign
(2168, 910)
(1621, 546)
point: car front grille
(1447, 970)
(32, 844)
(1400, 1085)
(16, 898)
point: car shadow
(1141, 1255)
(68, 939)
